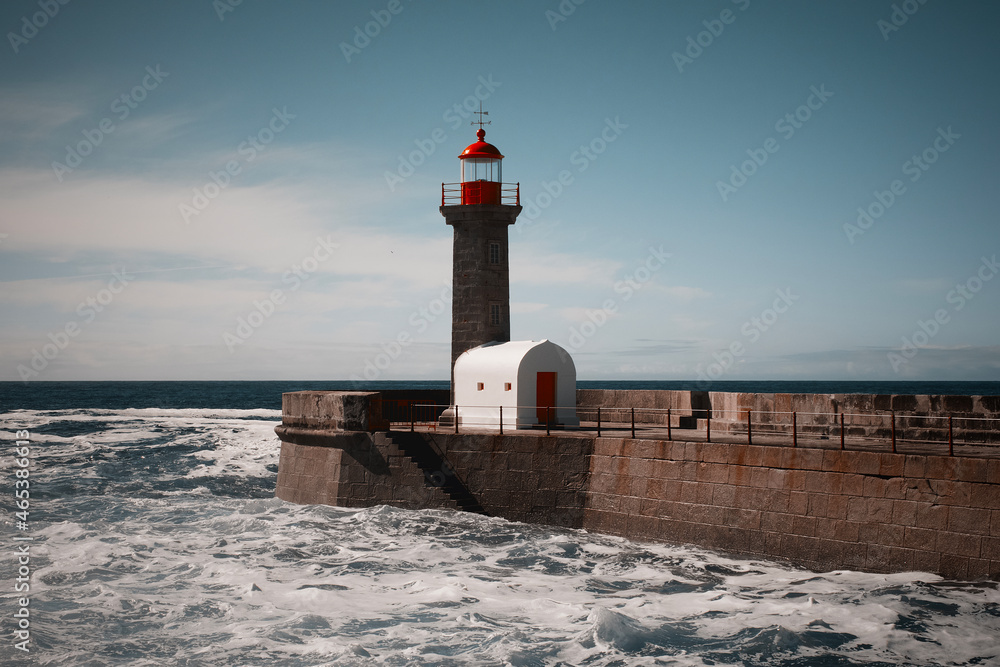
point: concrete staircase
(436, 471)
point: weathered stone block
(800, 547)
(798, 502)
(852, 485)
(639, 487)
(773, 457)
(337, 410)
(837, 507)
(643, 449)
(891, 535)
(803, 525)
(941, 467)
(713, 473)
(864, 463)
(833, 460)
(969, 520)
(819, 504)
(954, 567)
(857, 509)
(753, 455)
(666, 469)
(891, 465)
(739, 475)
(640, 467)
(607, 447)
(895, 488)
(985, 496)
(990, 548)
(958, 404)
(717, 453)
(874, 487)
(914, 466)
(959, 544)
(630, 505)
(704, 494)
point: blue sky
(199, 190)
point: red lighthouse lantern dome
(481, 172)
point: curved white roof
(502, 356)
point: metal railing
(451, 194)
(884, 431)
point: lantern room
(481, 172)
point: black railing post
(598, 422)
(633, 423)
(501, 420)
(548, 419)
(841, 430)
(749, 428)
(892, 417)
(795, 434)
(411, 417)
(708, 429)
(951, 442)
(668, 425)
(456, 419)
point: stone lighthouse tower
(480, 209)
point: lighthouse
(495, 383)
(479, 209)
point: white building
(528, 381)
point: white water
(157, 543)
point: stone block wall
(531, 478)
(821, 508)
(824, 509)
(524, 477)
(353, 470)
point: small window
(495, 314)
(494, 252)
(479, 386)
(506, 386)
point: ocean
(152, 537)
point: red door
(545, 397)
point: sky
(724, 189)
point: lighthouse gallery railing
(451, 194)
